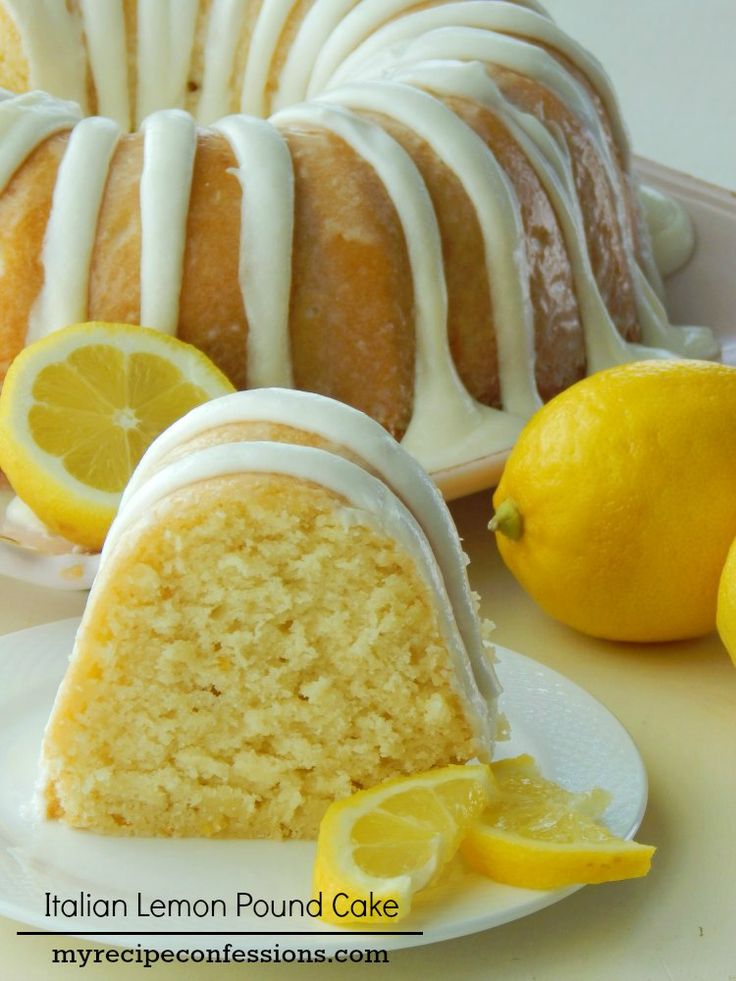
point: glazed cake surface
(427, 210)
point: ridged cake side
(425, 210)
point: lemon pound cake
(426, 210)
(282, 616)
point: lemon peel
(377, 848)
(726, 611)
(537, 835)
(625, 484)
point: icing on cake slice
(282, 616)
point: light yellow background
(674, 66)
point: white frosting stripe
(70, 233)
(497, 209)
(322, 18)
(224, 26)
(447, 425)
(360, 23)
(330, 31)
(468, 44)
(379, 42)
(266, 235)
(270, 23)
(498, 17)
(170, 143)
(604, 345)
(104, 28)
(165, 40)
(51, 33)
(25, 122)
(474, 44)
(670, 227)
(656, 330)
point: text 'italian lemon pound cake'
(282, 616)
(426, 210)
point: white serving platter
(575, 740)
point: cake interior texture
(259, 649)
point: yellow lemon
(79, 408)
(536, 835)
(618, 503)
(726, 613)
(377, 848)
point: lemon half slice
(380, 846)
(536, 835)
(79, 408)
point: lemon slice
(78, 409)
(536, 835)
(378, 847)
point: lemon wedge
(536, 835)
(377, 848)
(78, 409)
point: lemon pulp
(78, 410)
(536, 835)
(377, 848)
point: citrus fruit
(726, 612)
(377, 848)
(536, 835)
(79, 407)
(617, 505)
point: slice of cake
(282, 616)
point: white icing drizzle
(357, 25)
(270, 23)
(447, 426)
(522, 57)
(378, 507)
(604, 345)
(492, 17)
(224, 27)
(322, 18)
(381, 455)
(656, 330)
(72, 224)
(25, 122)
(497, 209)
(517, 55)
(170, 143)
(670, 227)
(267, 179)
(471, 44)
(19, 523)
(337, 42)
(104, 29)
(165, 42)
(474, 44)
(51, 34)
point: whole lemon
(726, 618)
(617, 506)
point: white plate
(574, 738)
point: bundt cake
(282, 616)
(428, 211)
